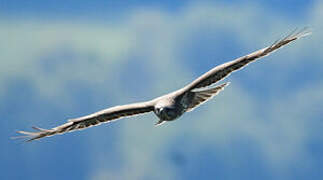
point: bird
(171, 106)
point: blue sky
(106, 9)
(69, 59)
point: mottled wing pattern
(201, 96)
(94, 119)
(219, 72)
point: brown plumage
(170, 106)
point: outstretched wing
(219, 72)
(201, 96)
(94, 119)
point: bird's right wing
(94, 119)
(220, 72)
(201, 96)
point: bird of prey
(170, 106)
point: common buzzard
(170, 106)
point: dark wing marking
(201, 96)
(94, 119)
(219, 72)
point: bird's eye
(160, 110)
(166, 113)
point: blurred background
(65, 59)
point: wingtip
(30, 136)
(306, 31)
(39, 129)
(225, 85)
(18, 137)
(25, 132)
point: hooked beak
(160, 122)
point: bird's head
(166, 113)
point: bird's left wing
(219, 72)
(94, 119)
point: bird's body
(170, 106)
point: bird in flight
(170, 106)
